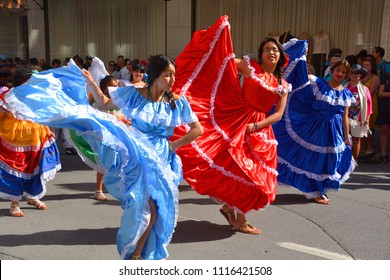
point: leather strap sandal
(229, 216)
(99, 195)
(246, 227)
(37, 203)
(15, 211)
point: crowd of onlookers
(375, 75)
(120, 69)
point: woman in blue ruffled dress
(141, 167)
(314, 146)
(155, 111)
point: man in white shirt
(320, 50)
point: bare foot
(246, 227)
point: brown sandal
(229, 216)
(246, 227)
(37, 203)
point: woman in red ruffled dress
(234, 161)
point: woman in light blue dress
(314, 147)
(155, 111)
(141, 167)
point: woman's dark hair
(135, 67)
(362, 54)
(139, 66)
(21, 75)
(352, 59)
(78, 59)
(157, 64)
(104, 82)
(342, 62)
(282, 60)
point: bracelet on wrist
(255, 126)
(171, 148)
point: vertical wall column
(36, 29)
(178, 26)
(385, 32)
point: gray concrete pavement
(356, 225)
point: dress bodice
(261, 90)
(328, 99)
(156, 119)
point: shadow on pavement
(199, 231)
(101, 236)
(290, 199)
(197, 201)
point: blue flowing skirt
(312, 156)
(134, 172)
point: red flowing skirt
(225, 163)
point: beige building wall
(178, 26)
(36, 29)
(385, 33)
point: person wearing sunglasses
(360, 110)
(112, 70)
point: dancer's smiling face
(339, 73)
(271, 53)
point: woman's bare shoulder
(176, 96)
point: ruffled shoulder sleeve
(266, 80)
(185, 114)
(126, 98)
(324, 92)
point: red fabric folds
(226, 163)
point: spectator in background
(320, 50)
(360, 111)
(123, 71)
(88, 62)
(361, 56)
(129, 67)
(382, 66)
(55, 63)
(137, 75)
(111, 69)
(66, 61)
(33, 63)
(351, 59)
(79, 61)
(333, 53)
(43, 65)
(383, 120)
(372, 82)
(328, 72)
